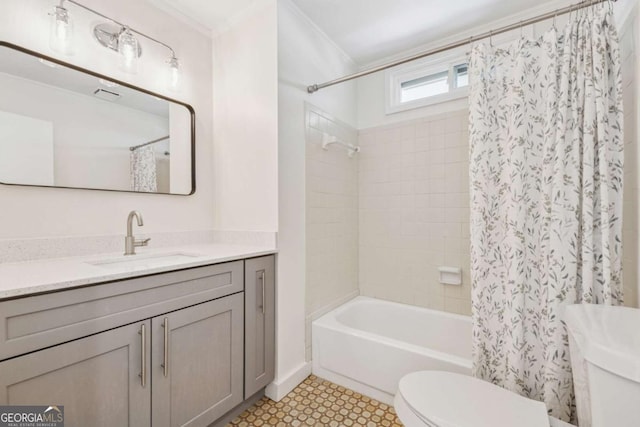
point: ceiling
(369, 30)
(213, 16)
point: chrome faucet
(130, 242)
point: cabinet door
(197, 363)
(260, 327)
(97, 379)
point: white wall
(36, 212)
(305, 56)
(245, 119)
(629, 28)
(636, 124)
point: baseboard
(280, 388)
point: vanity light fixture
(113, 35)
(174, 73)
(128, 50)
(61, 30)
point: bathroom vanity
(180, 347)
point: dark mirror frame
(130, 86)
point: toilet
(604, 344)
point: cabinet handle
(263, 289)
(165, 364)
(143, 353)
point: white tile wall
(631, 188)
(331, 217)
(414, 211)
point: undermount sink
(146, 261)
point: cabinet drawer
(36, 322)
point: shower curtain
(546, 200)
(143, 170)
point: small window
(422, 84)
(461, 76)
(424, 87)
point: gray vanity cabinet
(97, 378)
(260, 313)
(182, 348)
(197, 363)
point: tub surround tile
(46, 275)
(331, 216)
(317, 402)
(457, 306)
(414, 221)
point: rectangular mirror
(62, 126)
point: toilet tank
(604, 344)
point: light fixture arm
(114, 35)
(173, 53)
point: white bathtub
(369, 344)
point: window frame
(395, 77)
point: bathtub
(369, 344)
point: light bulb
(61, 31)
(173, 78)
(128, 49)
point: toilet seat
(446, 399)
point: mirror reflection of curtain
(143, 170)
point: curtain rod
(149, 143)
(316, 87)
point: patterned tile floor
(317, 402)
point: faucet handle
(143, 242)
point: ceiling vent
(107, 95)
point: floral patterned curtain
(143, 170)
(546, 200)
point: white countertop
(32, 277)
